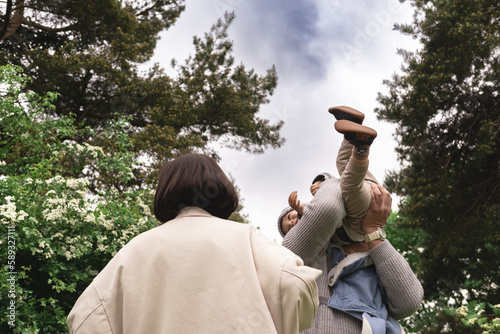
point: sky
(327, 53)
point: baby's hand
(294, 202)
(314, 187)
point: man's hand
(294, 202)
(379, 210)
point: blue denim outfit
(357, 290)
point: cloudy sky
(326, 53)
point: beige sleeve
(300, 296)
(288, 286)
(88, 315)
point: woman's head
(193, 180)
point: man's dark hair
(193, 180)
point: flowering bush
(473, 314)
(56, 234)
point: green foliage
(55, 234)
(446, 107)
(472, 317)
(476, 316)
(436, 319)
(405, 239)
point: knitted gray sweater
(310, 239)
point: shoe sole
(347, 113)
(355, 133)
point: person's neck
(355, 248)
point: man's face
(290, 220)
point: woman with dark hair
(198, 272)
(194, 180)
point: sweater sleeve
(404, 291)
(322, 216)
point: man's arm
(403, 289)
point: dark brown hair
(193, 180)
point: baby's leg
(355, 185)
(343, 156)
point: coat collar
(193, 211)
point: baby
(355, 179)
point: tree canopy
(446, 106)
(89, 53)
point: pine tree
(446, 106)
(89, 53)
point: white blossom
(90, 218)
(8, 211)
(76, 146)
(56, 179)
(21, 215)
(142, 221)
(50, 192)
(72, 183)
(94, 150)
(462, 310)
(68, 255)
(144, 207)
(82, 194)
(100, 244)
(55, 202)
(107, 223)
(53, 214)
(74, 204)
(91, 272)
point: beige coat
(199, 274)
